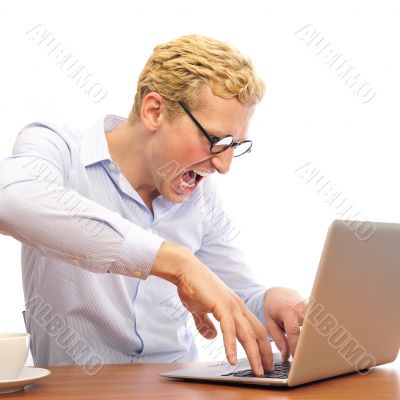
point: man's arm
(38, 209)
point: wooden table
(141, 381)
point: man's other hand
(284, 311)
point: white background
(308, 113)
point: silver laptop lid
(353, 319)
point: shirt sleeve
(220, 252)
(38, 209)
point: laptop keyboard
(281, 372)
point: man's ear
(152, 111)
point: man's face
(180, 156)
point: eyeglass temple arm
(183, 105)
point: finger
(267, 358)
(301, 309)
(264, 345)
(292, 340)
(248, 338)
(292, 329)
(279, 338)
(204, 325)
(229, 336)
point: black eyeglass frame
(213, 140)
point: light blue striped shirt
(88, 245)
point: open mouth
(190, 179)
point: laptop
(352, 321)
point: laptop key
(281, 372)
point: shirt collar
(94, 147)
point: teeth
(187, 185)
(201, 173)
(190, 185)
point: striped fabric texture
(88, 245)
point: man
(122, 224)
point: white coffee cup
(14, 349)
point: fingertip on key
(260, 371)
(232, 358)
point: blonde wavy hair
(177, 70)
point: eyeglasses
(220, 144)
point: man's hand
(202, 292)
(284, 311)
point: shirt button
(137, 274)
(111, 166)
(75, 261)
